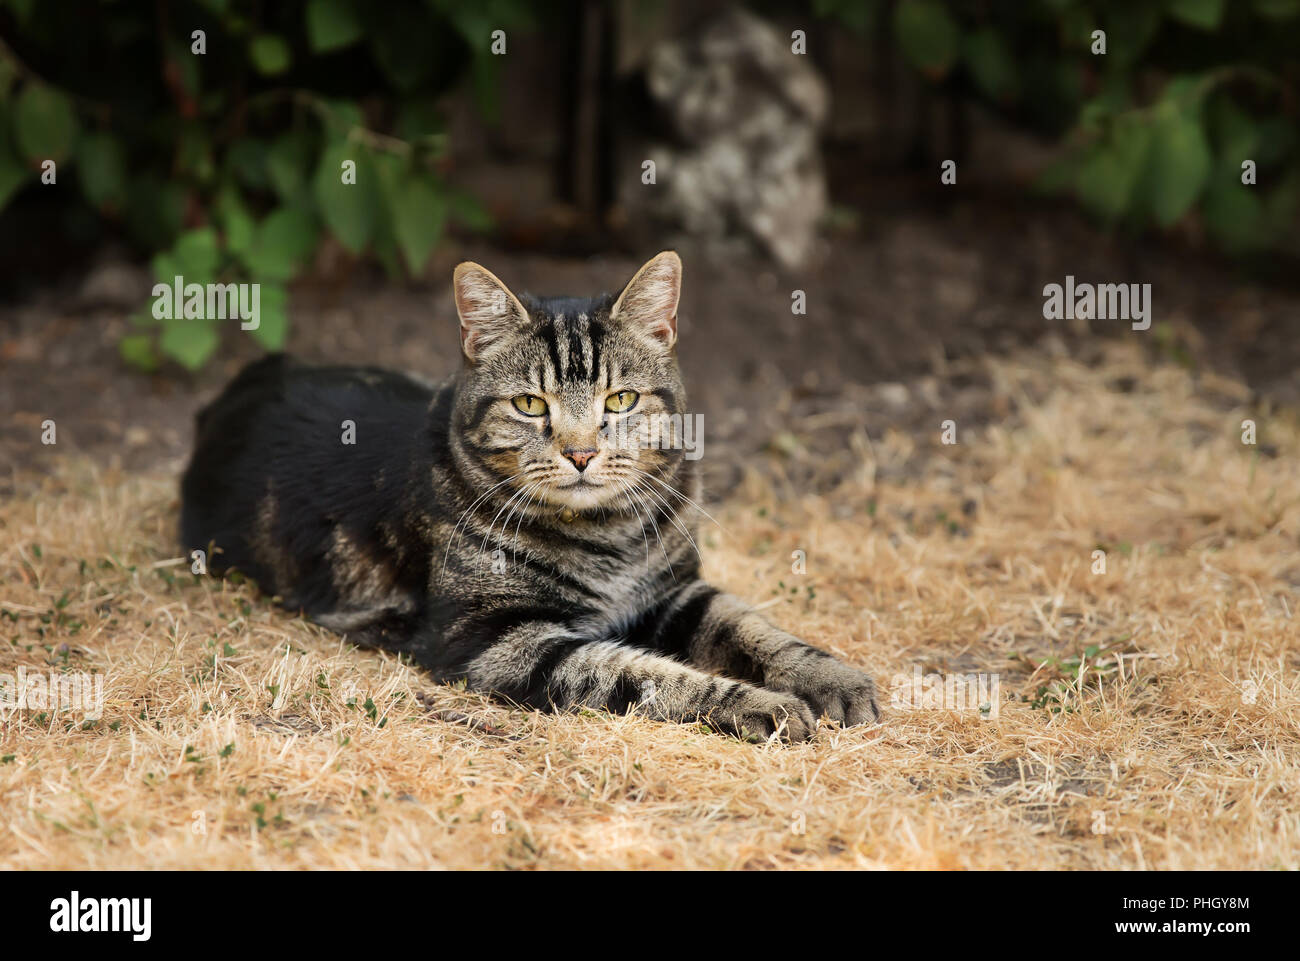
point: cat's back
(330, 420)
(315, 446)
(279, 384)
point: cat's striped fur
(462, 531)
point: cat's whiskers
(513, 497)
(522, 508)
(675, 491)
(626, 492)
(637, 490)
(671, 513)
(527, 506)
(455, 531)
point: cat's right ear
(488, 310)
(649, 301)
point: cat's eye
(529, 404)
(621, 402)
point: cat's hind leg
(389, 628)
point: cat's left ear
(649, 301)
(488, 310)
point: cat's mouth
(581, 493)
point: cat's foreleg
(545, 665)
(717, 631)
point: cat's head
(564, 399)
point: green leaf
(1234, 216)
(1277, 140)
(1205, 14)
(1130, 29)
(391, 173)
(483, 71)
(155, 210)
(417, 221)
(418, 119)
(22, 10)
(44, 123)
(404, 50)
(342, 117)
(235, 220)
(246, 159)
(858, 17)
(331, 25)
(348, 209)
(288, 161)
(189, 342)
(194, 258)
(101, 168)
(138, 351)
(194, 152)
(12, 170)
(144, 317)
(197, 255)
(8, 74)
(991, 64)
(1096, 113)
(182, 65)
(1180, 163)
(928, 35)
(1233, 130)
(283, 242)
(1110, 170)
(1076, 26)
(269, 53)
(1235, 136)
(468, 211)
(384, 249)
(273, 318)
(1185, 92)
(166, 268)
(1060, 174)
(1282, 203)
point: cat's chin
(583, 496)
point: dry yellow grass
(227, 738)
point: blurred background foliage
(1158, 126)
(226, 166)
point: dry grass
(1178, 735)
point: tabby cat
(498, 527)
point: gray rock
(747, 113)
(115, 283)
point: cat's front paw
(830, 687)
(762, 713)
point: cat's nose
(580, 458)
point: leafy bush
(1158, 126)
(217, 134)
